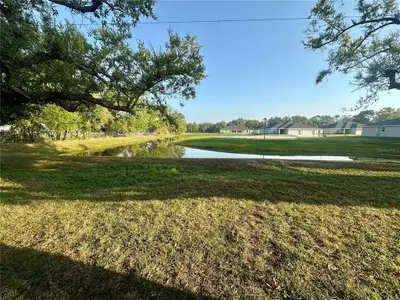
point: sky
(254, 69)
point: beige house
(390, 128)
(299, 129)
(288, 127)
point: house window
(383, 129)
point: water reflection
(159, 148)
(167, 149)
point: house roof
(277, 125)
(233, 127)
(387, 122)
(343, 124)
(288, 124)
(299, 125)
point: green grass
(72, 146)
(344, 146)
(120, 228)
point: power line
(217, 21)
(227, 20)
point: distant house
(271, 128)
(390, 128)
(290, 128)
(235, 129)
(299, 129)
(345, 126)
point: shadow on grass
(31, 274)
(108, 179)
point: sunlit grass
(344, 146)
(102, 228)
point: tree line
(51, 122)
(365, 117)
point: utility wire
(218, 21)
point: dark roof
(343, 124)
(288, 124)
(233, 127)
(387, 122)
(277, 125)
(299, 125)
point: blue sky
(254, 69)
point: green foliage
(51, 122)
(367, 47)
(387, 113)
(45, 60)
(365, 116)
(323, 120)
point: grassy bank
(115, 228)
(71, 146)
(346, 146)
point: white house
(299, 129)
(272, 128)
(288, 127)
(235, 129)
(390, 128)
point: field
(123, 228)
(343, 146)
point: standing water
(167, 149)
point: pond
(167, 149)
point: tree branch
(365, 58)
(83, 9)
(365, 38)
(391, 20)
(12, 97)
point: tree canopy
(44, 60)
(367, 45)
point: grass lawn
(71, 146)
(123, 228)
(346, 146)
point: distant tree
(319, 120)
(59, 122)
(299, 119)
(207, 127)
(178, 125)
(387, 113)
(275, 120)
(253, 124)
(192, 127)
(238, 122)
(368, 45)
(97, 116)
(219, 125)
(365, 116)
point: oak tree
(367, 45)
(44, 60)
